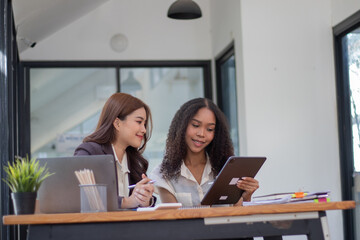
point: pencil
(132, 186)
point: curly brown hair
(219, 150)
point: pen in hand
(132, 186)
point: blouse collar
(185, 172)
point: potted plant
(24, 178)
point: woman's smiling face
(200, 130)
(131, 130)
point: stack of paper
(280, 200)
(312, 197)
(291, 197)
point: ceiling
(35, 20)
(55, 103)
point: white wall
(342, 9)
(151, 34)
(290, 98)
(286, 91)
(225, 22)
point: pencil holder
(93, 198)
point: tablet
(224, 189)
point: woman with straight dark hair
(123, 130)
(197, 147)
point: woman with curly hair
(123, 131)
(197, 147)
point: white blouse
(185, 189)
(122, 171)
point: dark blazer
(93, 148)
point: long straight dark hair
(120, 105)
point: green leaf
(25, 175)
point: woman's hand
(143, 192)
(249, 185)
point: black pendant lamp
(184, 9)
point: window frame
(344, 119)
(220, 59)
(117, 65)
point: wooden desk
(270, 221)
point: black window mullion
(204, 64)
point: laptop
(60, 193)
(224, 189)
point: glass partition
(65, 103)
(227, 93)
(351, 43)
(164, 90)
